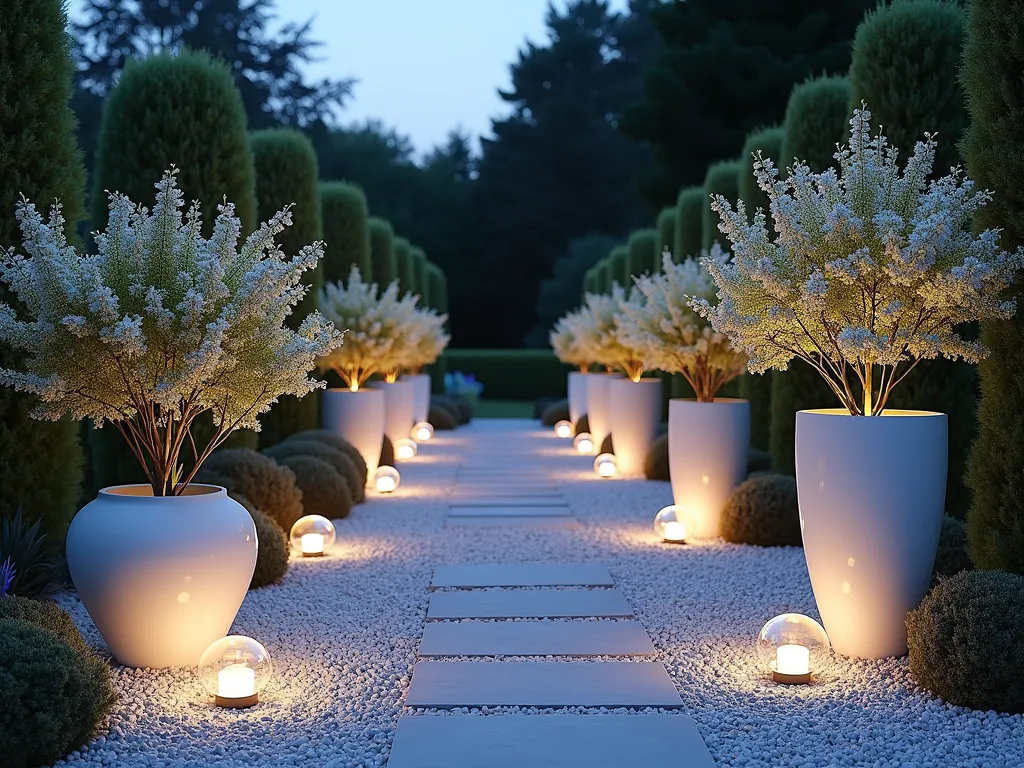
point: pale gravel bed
(343, 632)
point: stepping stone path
(567, 610)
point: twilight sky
(424, 66)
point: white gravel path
(343, 632)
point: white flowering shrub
(567, 346)
(596, 330)
(160, 325)
(871, 270)
(379, 329)
(427, 339)
(670, 335)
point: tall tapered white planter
(399, 407)
(359, 418)
(161, 577)
(421, 395)
(634, 409)
(872, 492)
(708, 449)
(577, 384)
(597, 405)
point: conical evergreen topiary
(618, 266)
(689, 223)
(405, 272)
(419, 270)
(286, 174)
(643, 257)
(346, 229)
(722, 179)
(382, 252)
(40, 461)
(666, 232)
(993, 59)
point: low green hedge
(511, 374)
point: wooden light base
(242, 702)
(782, 677)
(312, 554)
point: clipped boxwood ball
(758, 461)
(321, 450)
(582, 425)
(607, 446)
(555, 413)
(270, 487)
(273, 548)
(447, 404)
(541, 404)
(45, 615)
(440, 418)
(343, 445)
(966, 641)
(53, 696)
(324, 491)
(465, 408)
(387, 453)
(763, 511)
(656, 463)
(952, 556)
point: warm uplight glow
(386, 479)
(354, 386)
(563, 429)
(605, 466)
(312, 535)
(234, 670)
(792, 646)
(422, 432)
(674, 524)
(405, 448)
(584, 443)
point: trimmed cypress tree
(286, 174)
(666, 232)
(906, 57)
(993, 60)
(184, 110)
(618, 266)
(721, 179)
(40, 461)
(603, 281)
(382, 252)
(757, 389)
(419, 270)
(588, 280)
(815, 122)
(435, 287)
(346, 228)
(405, 271)
(689, 223)
(643, 254)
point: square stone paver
(522, 575)
(529, 604)
(506, 510)
(496, 489)
(549, 741)
(536, 638)
(474, 502)
(563, 521)
(448, 684)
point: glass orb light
(674, 523)
(422, 431)
(386, 479)
(405, 448)
(584, 443)
(793, 646)
(605, 465)
(563, 428)
(234, 670)
(312, 535)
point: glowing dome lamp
(563, 428)
(793, 646)
(312, 535)
(584, 443)
(234, 670)
(386, 479)
(605, 465)
(422, 432)
(674, 523)
(405, 448)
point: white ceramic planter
(597, 406)
(161, 577)
(421, 395)
(577, 384)
(872, 491)
(708, 449)
(634, 410)
(399, 407)
(359, 418)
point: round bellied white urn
(872, 493)
(597, 406)
(357, 417)
(421, 395)
(577, 389)
(708, 450)
(162, 577)
(634, 413)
